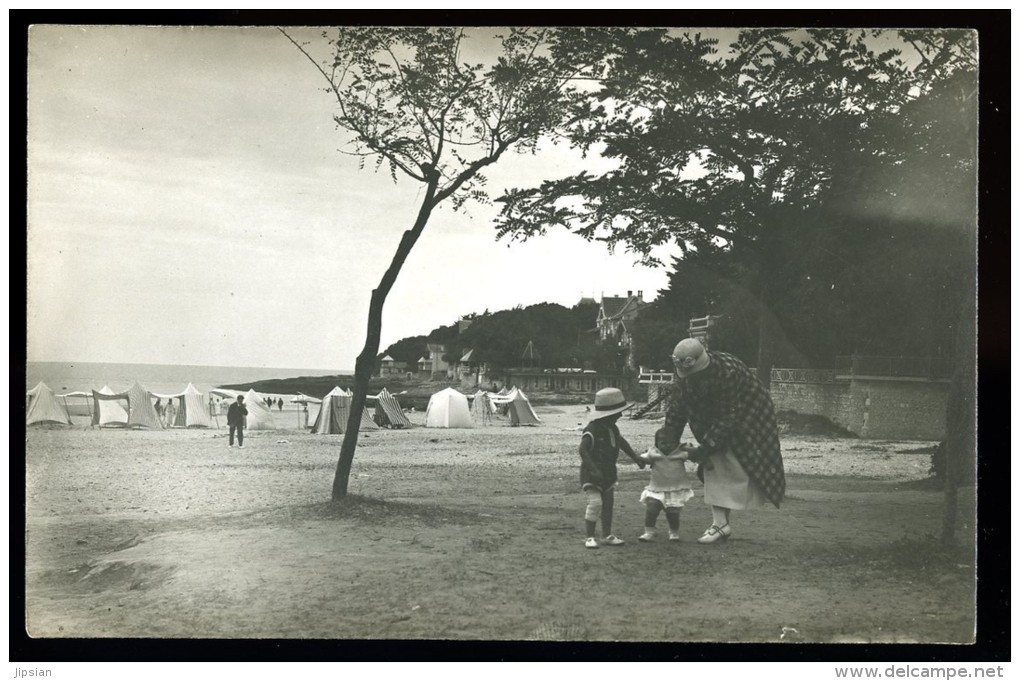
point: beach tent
(140, 411)
(501, 406)
(259, 416)
(334, 412)
(109, 413)
(309, 409)
(448, 409)
(520, 411)
(315, 404)
(388, 412)
(481, 408)
(192, 411)
(43, 407)
(86, 397)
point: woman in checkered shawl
(732, 418)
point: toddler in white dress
(669, 487)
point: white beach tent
(259, 416)
(448, 409)
(192, 411)
(43, 407)
(334, 412)
(109, 413)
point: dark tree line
(559, 337)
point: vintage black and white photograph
(501, 333)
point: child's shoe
(590, 543)
(612, 540)
(647, 536)
(674, 536)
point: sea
(65, 377)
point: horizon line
(184, 364)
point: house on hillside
(389, 367)
(432, 365)
(469, 371)
(615, 320)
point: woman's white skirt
(727, 484)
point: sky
(187, 204)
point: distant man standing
(235, 421)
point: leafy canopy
(709, 142)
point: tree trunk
(765, 357)
(765, 331)
(366, 360)
(959, 457)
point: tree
(408, 100)
(408, 350)
(728, 148)
(500, 339)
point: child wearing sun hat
(601, 443)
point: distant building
(469, 371)
(565, 380)
(391, 367)
(615, 321)
(432, 365)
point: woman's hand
(697, 454)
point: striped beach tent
(521, 413)
(140, 412)
(334, 412)
(388, 412)
(43, 407)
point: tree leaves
(711, 142)
(406, 95)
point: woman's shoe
(612, 540)
(590, 543)
(715, 534)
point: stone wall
(876, 408)
(901, 409)
(831, 400)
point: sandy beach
(471, 534)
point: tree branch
(470, 172)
